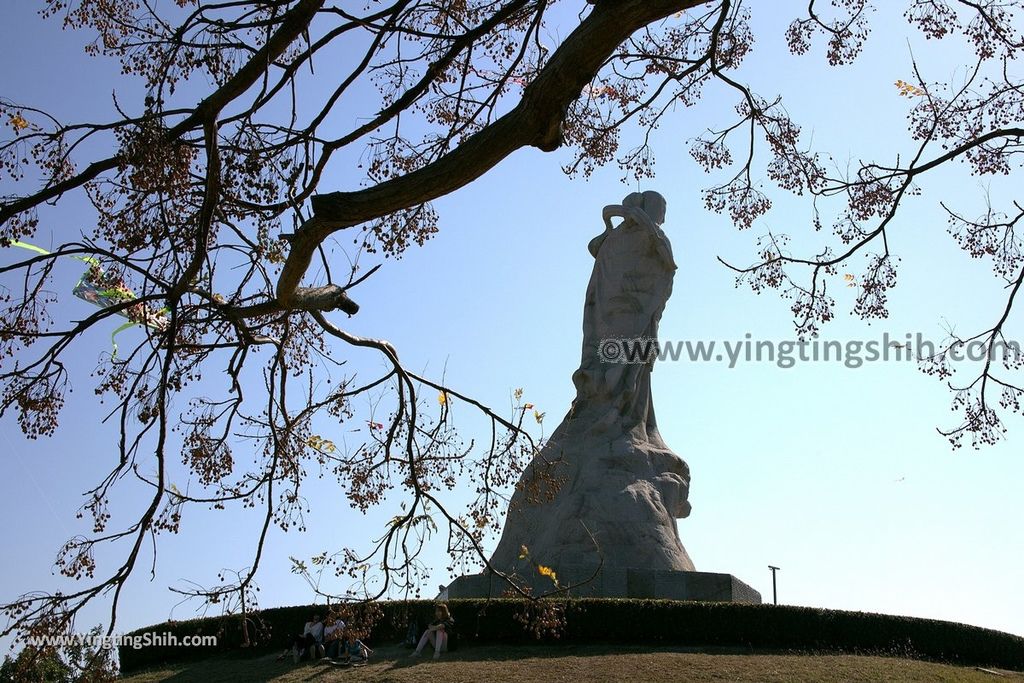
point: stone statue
(605, 489)
(631, 281)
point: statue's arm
(613, 211)
(609, 212)
(660, 239)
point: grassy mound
(536, 664)
(618, 622)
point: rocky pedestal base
(618, 583)
(600, 489)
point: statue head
(650, 202)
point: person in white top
(335, 639)
(311, 640)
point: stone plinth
(619, 583)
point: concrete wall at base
(618, 583)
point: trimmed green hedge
(662, 622)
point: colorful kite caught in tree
(103, 289)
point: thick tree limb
(536, 121)
(314, 299)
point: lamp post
(775, 595)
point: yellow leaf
(524, 552)
(548, 572)
(18, 122)
(909, 89)
(518, 393)
(442, 398)
(539, 417)
(320, 443)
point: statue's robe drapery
(628, 289)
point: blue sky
(836, 475)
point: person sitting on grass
(334, 636)
(342, 647)
(438, 632)
(358, 652)
(310, 642)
